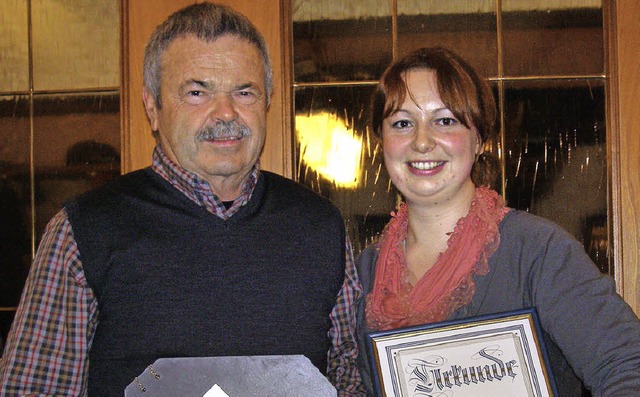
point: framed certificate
(494, 355)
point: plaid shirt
(48, 347)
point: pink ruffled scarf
(448, 285)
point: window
(59, 120)
(545, 61)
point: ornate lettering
(428, 376)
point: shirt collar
(198, 189)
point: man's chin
(224, 170)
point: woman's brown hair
(461, 89)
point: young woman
(453, 249)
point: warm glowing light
(330, 148)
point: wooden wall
(625, 145)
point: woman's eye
(402, 124)
(446, 121)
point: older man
(201, 254)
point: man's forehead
(228, 60)
(225, 46)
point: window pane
(14, 46)
(556, 159)
(76, 147)
(337, 156)
(15, 201)
(467, 27)
(335, 40)
(551, 39)
(75, 44)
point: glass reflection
(337, 156)
(72, 142)
(75, 44)
(14, 39)
(76, 147)
(15, 202)
(340, 41)
(552, 38)
(467, 27)
(555, 157)
(330, 148)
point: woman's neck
(429, 228)
(427, 220)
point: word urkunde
(427, 379)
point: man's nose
(223, 107)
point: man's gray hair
(208, 22)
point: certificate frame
(499, 355)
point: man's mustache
(223, 130)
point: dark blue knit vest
(172, 280)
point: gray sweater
(591, 334)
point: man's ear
(150, 108)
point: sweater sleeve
(597, 332)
